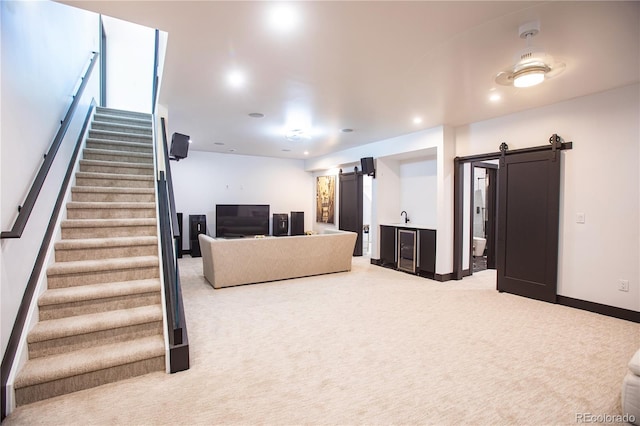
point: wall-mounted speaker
(367, 166)
(179, 146)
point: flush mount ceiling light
(533, 65)
(296, 135)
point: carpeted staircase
(100, 320)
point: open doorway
(483, 214)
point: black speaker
(179, 146)
(297, 223)
(280, 224)
(367, 166)
(197, 225)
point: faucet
(406, 217)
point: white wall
(45, 49)
(130, 50)
(599, 178)
(418, 191)
(205, 179)
(385, 207)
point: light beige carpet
(371, 346)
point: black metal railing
(24, 210)
(170, 239)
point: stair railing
(170, 239)
(29, 292)
(24, 211)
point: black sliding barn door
(528, 216)
(350, 207)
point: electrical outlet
(623, 285)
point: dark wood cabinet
(418, 251)
(387, 245)
(427, 252)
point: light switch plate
(580, 218)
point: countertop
(410, 225)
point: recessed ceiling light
(286, 150)
(218, 143)
(283, 18)
(495, 97)
(256, 115)
(306, 153)
(417, 120)
(232, 150)
(236, 79)
(346, 130)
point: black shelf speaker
(197, 225)
(297, 223)
(367, 166)
(179, 146)
(280, 224)
(181, 235)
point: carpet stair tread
(83, 361)
(121, 127)
(119, 145)
(107, 134)
(114, 152)
(112, 190)
(122, 113)
(89, 323)
(97, 175)
(106, 117)
(87, 266)
(110, 205)
(116, 163)
(87, 243)
(58, 296)
(107, 223)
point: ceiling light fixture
(346, 130)
(295, 135)
(236, 79)
(283, 18)
(256, 115)
(533, 64)
(417, 120)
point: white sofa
(631, 391)
(229, 262)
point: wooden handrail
(24, 211)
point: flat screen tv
(241, 220)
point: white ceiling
(371, 66)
